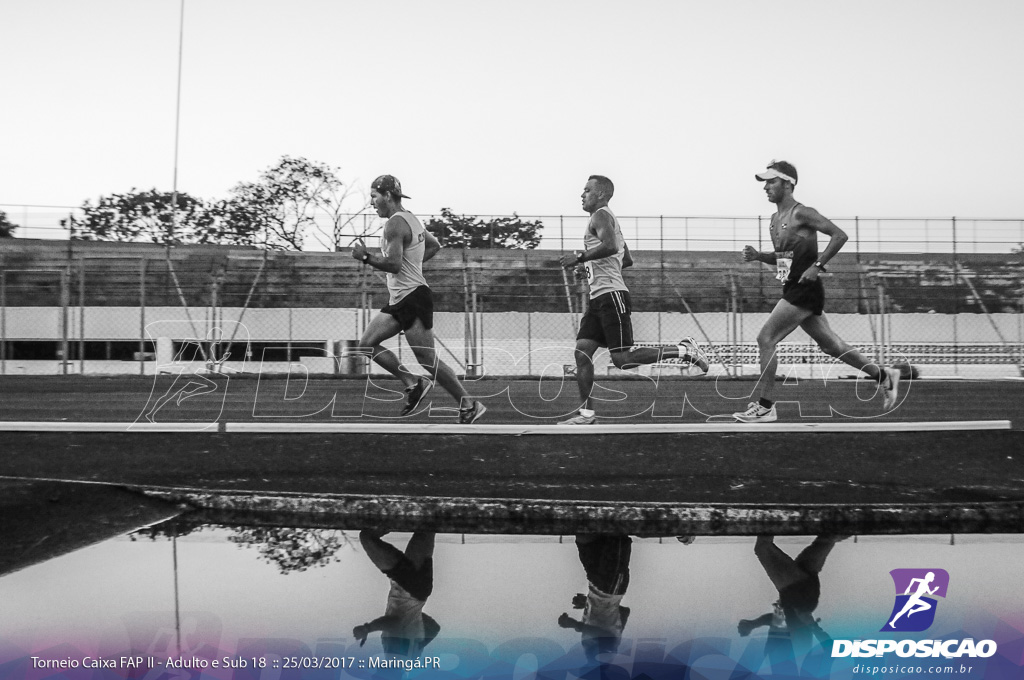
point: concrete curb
(518, 516)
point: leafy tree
(292, 202)
(292, 549)
(147, 216)
(6, 226)
(469, 231)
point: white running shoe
(756, 413)
(890, 388)
(580, 419)
(688, 347)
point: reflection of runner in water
(915, 604)
(798, 586)
(404, 628)
(605, 560)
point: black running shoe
(414, 395)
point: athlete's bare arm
(378, 624)
(602, 226)
(627, 259)
(397, 235)
(431, 245)
(604, 229)
(750, 254)
(809, 217)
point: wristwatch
(819, 265)
(579, 255)
(366, 257)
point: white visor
(772, 173)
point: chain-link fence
(945, 295)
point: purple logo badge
(916, 590)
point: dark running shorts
(417, 582)
(801, 596)
(605, 560)
(419, 304)
(607, 321)
(805, 295)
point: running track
(741, 466)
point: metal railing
(895, 235)
(72, 306)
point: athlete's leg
(783, 320)
(585, 350)
(381, 328)
(421, 340)
(780, 567)
(631, 358)
(420, 548)
(831, 344)
(383, 555)
(812, 558)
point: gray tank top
(605, 275)
(410, 276)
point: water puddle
(201, 600)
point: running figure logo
(915, 605)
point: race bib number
(590, 273)
(783, 265)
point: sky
(887, 108)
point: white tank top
(605, 274)
(410, 276)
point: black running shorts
(417, 582)
(419, 304)
(607, 321)
(810, 295)
(605, 559)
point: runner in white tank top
(405, 246)
(605, 275)
(410, 275)
(607, 321)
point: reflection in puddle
(503, 606)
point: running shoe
(414, 395)
(472, 414)
(756, 413)
(688, 348)
(580, 419)
(890, 388)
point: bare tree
(293, 202)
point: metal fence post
(661, 268)
(65, 300)
(529, 343)
(881, 324)
(956, 305)
(3, 322)
(81, 314)
(142, 316)
(466, 330)
(760, 269)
